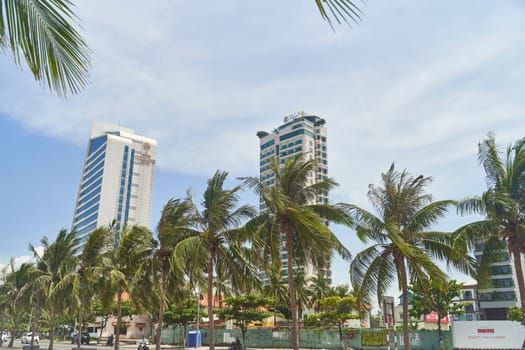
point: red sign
(485, 330)
(433, 318)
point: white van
(94, 332)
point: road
(44, 344)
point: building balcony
(493, 304)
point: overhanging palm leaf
(40, 31)
(339, 10)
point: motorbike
(143, 344)
(236, 345)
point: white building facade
(502, 292)
(117, 180)
(301, 133)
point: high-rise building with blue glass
(117, 180)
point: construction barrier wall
(366, 339)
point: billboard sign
(488, 334)
(433, 318)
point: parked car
(94, 332)
(84, 338)
(26, 338)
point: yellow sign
(373, 339)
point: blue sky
(416, 82)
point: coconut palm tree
(503, 205)
(124, 264)
(320, 289)
(303, 291)
(219, 239)
(88, 271)
(54, 265)
(41, 33)
(174, 225)
(341, 290)
(276, 287)
(405, 245)
(292, 217)
(16, 300)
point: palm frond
(339, 10)
(365, 270)
(489, 157)
(367, 225)
(428, 215)
(40, 31)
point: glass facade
(117, 180)
(86, 213)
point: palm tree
(276, 288)
(341, 290)
(303, 291)
(503, 204)
(88, 271)
(320, 289)
(292, 216)
(219, 239)
(57, 262)
(404, 243)
(174, 224)
(41, 32)
(125, 266)
(16, 302)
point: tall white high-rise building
(300, 133)
(117, 180)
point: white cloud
(19, 260)
(416, 83)
(203, 79)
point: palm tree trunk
(119, 320)
(80, 320)
(291, 286)
(161, 309)
(211, 323)
(12, 340)
(516, 256)
(275, 309)
(53, 325)
(104, 323)
(35, 320)
(404, 286)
